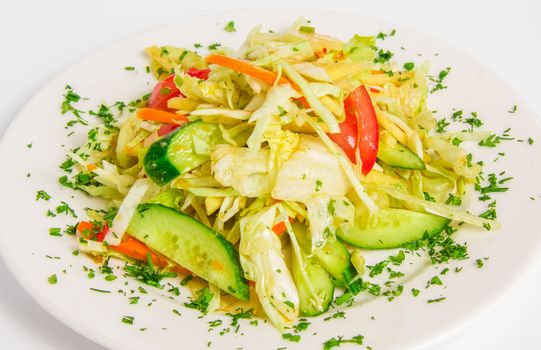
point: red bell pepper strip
(163, 92)
(360, 129)
(166, 129)
(198, 73)
(166, 89)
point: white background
(39, 39)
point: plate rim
(439, 336)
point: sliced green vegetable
(320, 281)
(181, 151)
(190, 244)
(399, 157)
(392, 228)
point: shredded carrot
(280, 227)
(247, 68)
(91, 167)
(158, 115)
(256, 72)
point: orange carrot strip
(280, 227)
(138, 250)
(247, 68)
(256, 72)
(161, 116)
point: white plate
(406, 322)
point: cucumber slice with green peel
(392, 228)
(334, 257)
(321, 283)
(400, 157)
(190, 244)
(181, 151)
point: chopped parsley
(441, 125)
(428, 197)
(409, 66)
(473, 121)
(230, 27)
(337, 314)
(214, 46)
(307, 29)
(513, 109)
(64, 208)
(128, 319)
(291, 337)
(41, 194)
(453, 200)
(71, 97)
(55, 231)
(383, 56)
(318, 185)
(440, 247)
(439, 80)
(479, 263)
(52, 279)
(430, 301)
(415, 292)
(145, 273)
(100, 290)
(336, 342)
(129, 68)
(202, 302)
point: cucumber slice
(392, 228)
(181, 151)
(321, 283)
(334, 257)
(400, 157)
(192, 245)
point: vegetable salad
(265, 172)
